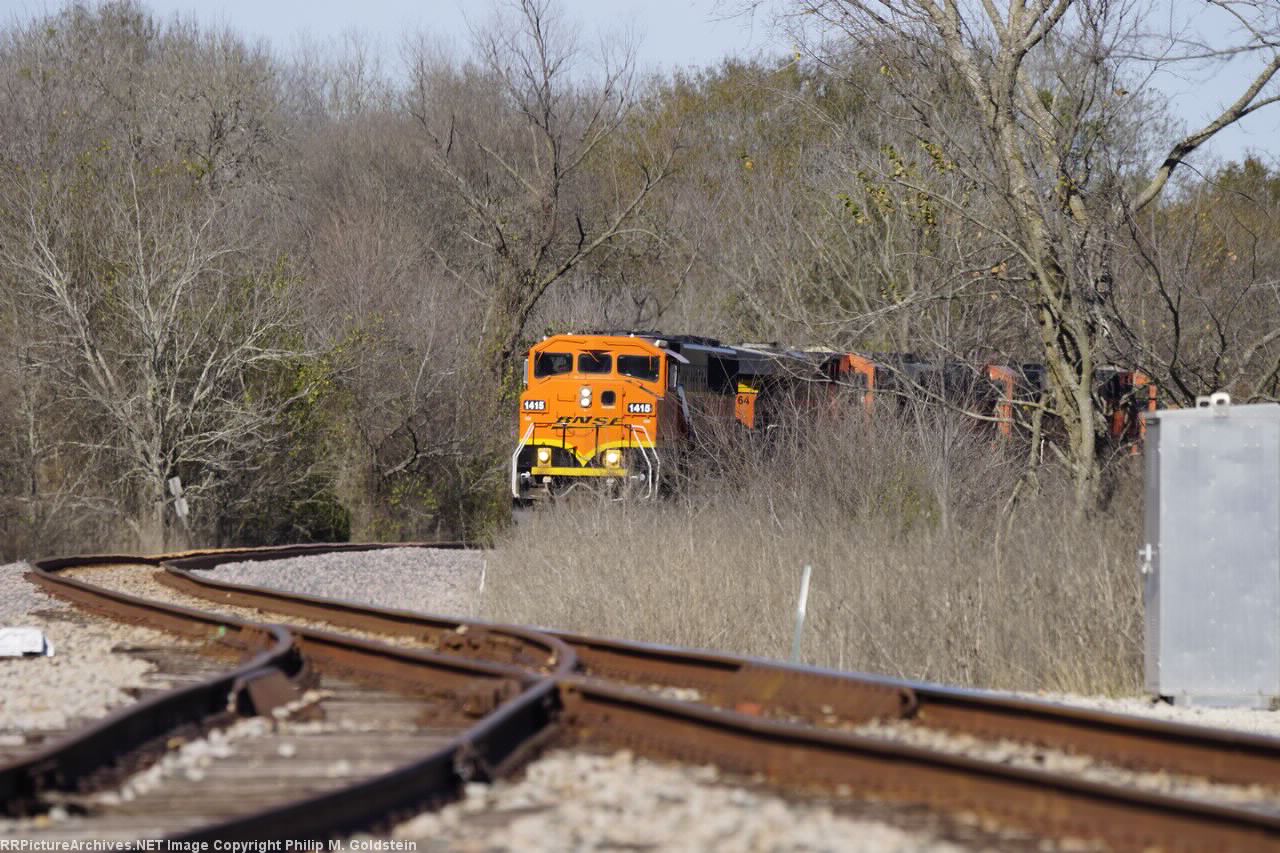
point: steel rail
(516, 710)
(593, 711)
(505, 738)
(756, 685)
(731, 682)
(469, 638)
(104, 743)
(805, 757)
(1221, 755)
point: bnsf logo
(588, 420)
(639, 408)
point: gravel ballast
(382, 578)
(21, 598)
(83, 679)
(439, 581)
(584, 801)
(1257, 721)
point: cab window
(552, 363)
(639, 366)
(595, 362)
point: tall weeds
(922, 565)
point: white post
(801, 605)
(179, 500)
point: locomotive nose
(593, 395)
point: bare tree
(1053, 145)
(131, 234)
(1210, 257)
(533, 146)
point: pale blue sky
(672, 33)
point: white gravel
(1030, 757)
(569, 801)
(20, 597)
(438, 581)
(84, 679)
(1261, 722)
(140, 580)
(339, 575)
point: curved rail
(1230, 757)
(534, 650)
(502, 740)
(518, 714)
(807, 758)
(747, 735)
(724, 680)
(754, 686)
(748, 684)
(103, 743)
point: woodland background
(303, 283)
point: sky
(672, 34)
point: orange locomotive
(593, 406)
(620, 407)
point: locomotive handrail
(654, 465)
(515, 462)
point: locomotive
(612, 407)
(621, 408)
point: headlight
(613, 458)
(584, 396)
(544, 455)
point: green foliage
(307, 511)
(1251, 181)
(911, 502)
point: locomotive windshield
(639, 366)
(552, 363)
(595, 362)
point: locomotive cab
(593, 409)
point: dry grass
(917, 570)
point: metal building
(1211, 557)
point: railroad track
(472, 718)
(337, 734)
(796, 728)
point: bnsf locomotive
(609, 406)
(621, 408)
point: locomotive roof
(753, 359)
(586, 336)
(651, 335)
